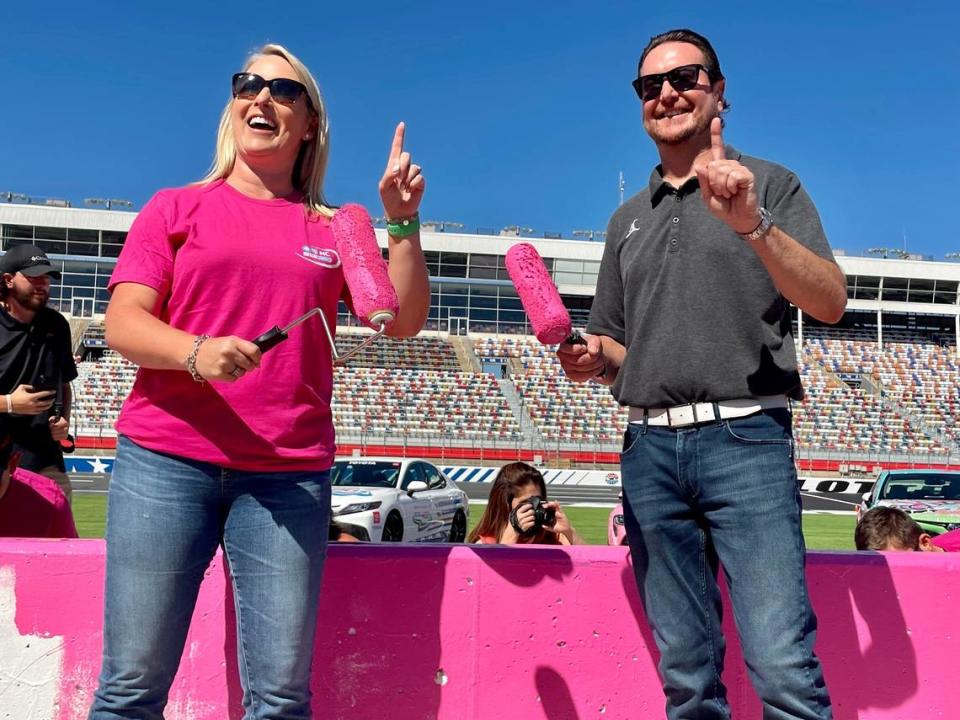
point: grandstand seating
(415, 389)
(422, 352)
(398, 389)
(562, 410)
(98, 393)
(421, 404)
(913, 406)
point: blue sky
(520, 112)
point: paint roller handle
(575, 338)
(270, 339)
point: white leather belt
(696, 413)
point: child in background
(891, 529)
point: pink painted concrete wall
(462, 633)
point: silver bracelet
(192, 358)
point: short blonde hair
(311, 165)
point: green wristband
(403, 227)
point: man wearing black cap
(36, 362)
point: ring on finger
(237, 371)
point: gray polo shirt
(697, 311)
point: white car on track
(397, 499)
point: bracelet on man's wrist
(762, 227)
(10, 404)
(402, 227)
(191, 362)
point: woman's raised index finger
(397, 147)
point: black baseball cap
(28, 260)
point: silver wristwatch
(766, 222)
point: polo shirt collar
(660, 187)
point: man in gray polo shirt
(691, 328)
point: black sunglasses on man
(681, 79)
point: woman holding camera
(518, 512)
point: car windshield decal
(924, 506)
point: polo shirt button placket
(675, 220)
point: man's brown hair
(684, 35)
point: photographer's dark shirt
(31, 354)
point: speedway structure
(435, 632)
(883, 383)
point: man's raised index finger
(717, 151)
(397, 147)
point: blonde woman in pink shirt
(220, 445)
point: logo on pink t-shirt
(324, 257)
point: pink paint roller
(539, 297)
(365, 272)
(374, 299)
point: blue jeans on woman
(166, 517)
(723, 494)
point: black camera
(542, 516)
(44, 383)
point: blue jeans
(723, 493)
(166, 517)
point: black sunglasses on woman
(283, 90)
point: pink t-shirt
(227, 264)
(34, 506)
(949, 541)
